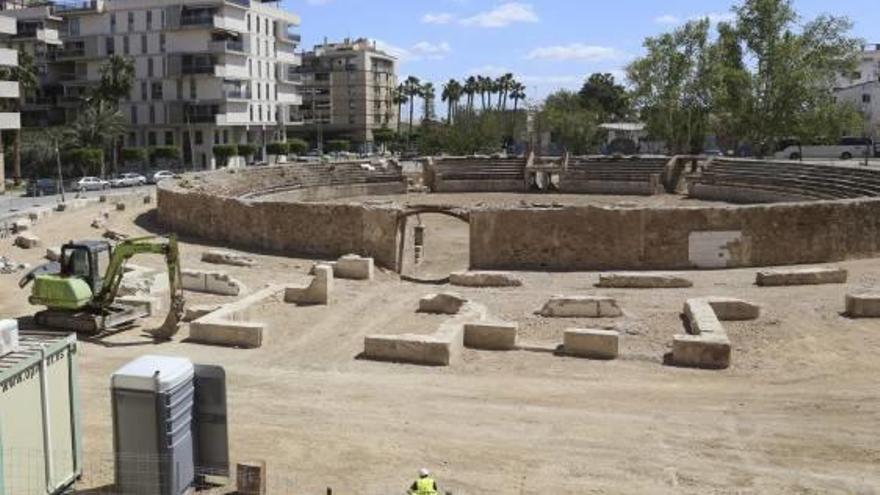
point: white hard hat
(424, 472)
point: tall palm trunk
(449, 115)
(399, 115)
(16, 157)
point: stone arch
(411, 211)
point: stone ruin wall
(554, 239)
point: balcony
(10, 120)
(8, 26)
(38, 102)
(227, 46)
(8, 56)
(9, 89)
(237, 93)
(241, 3)
(287, 36)
(288, 56)
(192, 69)
(197, 19)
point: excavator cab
(86, 260)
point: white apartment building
(862, 88)
(9, 94)
(348, 90)
(206, 71)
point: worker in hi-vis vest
(425, 485)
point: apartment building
(9, 93)
(862, 88)
(347, 92)
(206, 71)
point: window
(112, 23)
(169, 138)
(132, 140)
(151, 138)
(152, 114)
(149, 20)
(134, 114)
(126, 46)
(259, 95)
(216, 137)
(251, 67)
(267, 92)
(251, 112)
(180, 89)
(259, 68)
(248, 22)
(258, 24)
(131, 21)
(198, 137)
(150, 68)
(162, 42)
(144, 43)
(267, 26)
(109, 45)
(73, 26)
(144, 91)
(260, 112)
(156, 90)
(225, 136)
(866, 98)
(193, 95)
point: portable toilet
(169, 425)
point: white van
(849, 147)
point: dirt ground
(796, 413)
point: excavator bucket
(172, 322)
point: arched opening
(433, 242)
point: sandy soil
(797, 412)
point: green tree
(471, 88)
(428, 94)
(451, 94)
(277, 148)
(117, 79)
(246, 150)
(223, 152)
(297, 146)
(517, 94)
(731, 98)
(400, 99)
(570, 125)
(86, 161)
(601, 94)
(98, 125)
(384, 136)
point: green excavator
(80, 290)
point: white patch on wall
(710, 249)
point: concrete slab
(699, 351)
(8, 336)
(27, 241)
(211, 282)
(732, 309)
(317, 291)
(484, 279)
(447, 303)
(591, 343)
(354, 267)
(581, 307)
(227, 258)
(490, 336)
(231, 325)
(801, 276)
(638, 280)
(863, 305)
(195, 311)
(702, 319)
(152, 305)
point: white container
(8, 337)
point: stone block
(27, 241)
(702, 319)
(211, 282)
(446, 303)
(53, 254)
(484, 279)
(120, 206)
(863, 305)
(490, 336)
(732, 309)
(99, 223)
(354, 267)
(21, 225)
(8, 336)
(195, 311)
(37, 214)
(701, 351)
(250, 478)
(581, 307)
(152, 305)
(148, 199)
(414, 349)
(227, 333)
(318, 290)
(592, 344)
(637, 280)
(801, 276)
(227, 258)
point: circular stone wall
(225, 207)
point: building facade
(9, 92)
(207, 72)
(348, 92)
(862, 88)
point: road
(14, 203)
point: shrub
(87, 161)
(159, 153)
(297, 146)
(134, 154)
(338, 145)
(277, 148)
(246, 150)
(223, 152)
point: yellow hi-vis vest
(425, 486)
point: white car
(91, 184)
(128, 180)
(161, 175)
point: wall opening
(432, 245)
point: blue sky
(548, 44)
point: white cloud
(442, 18)
(318, 2)
(714, 18)
(667, 19)
(503, 16)
(574, 51)
(431, 51)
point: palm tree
(517, 93)
(400, 99)
(413, 87)
(429, 94)
(471, 86)
(98, 125)
(452, 91)
(26, 75)
(506, 83)
(117, 79)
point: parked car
(91, 184)
(847, 148)
(161, 175)
(42, 187)
(128, 180)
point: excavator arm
(124, 251)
